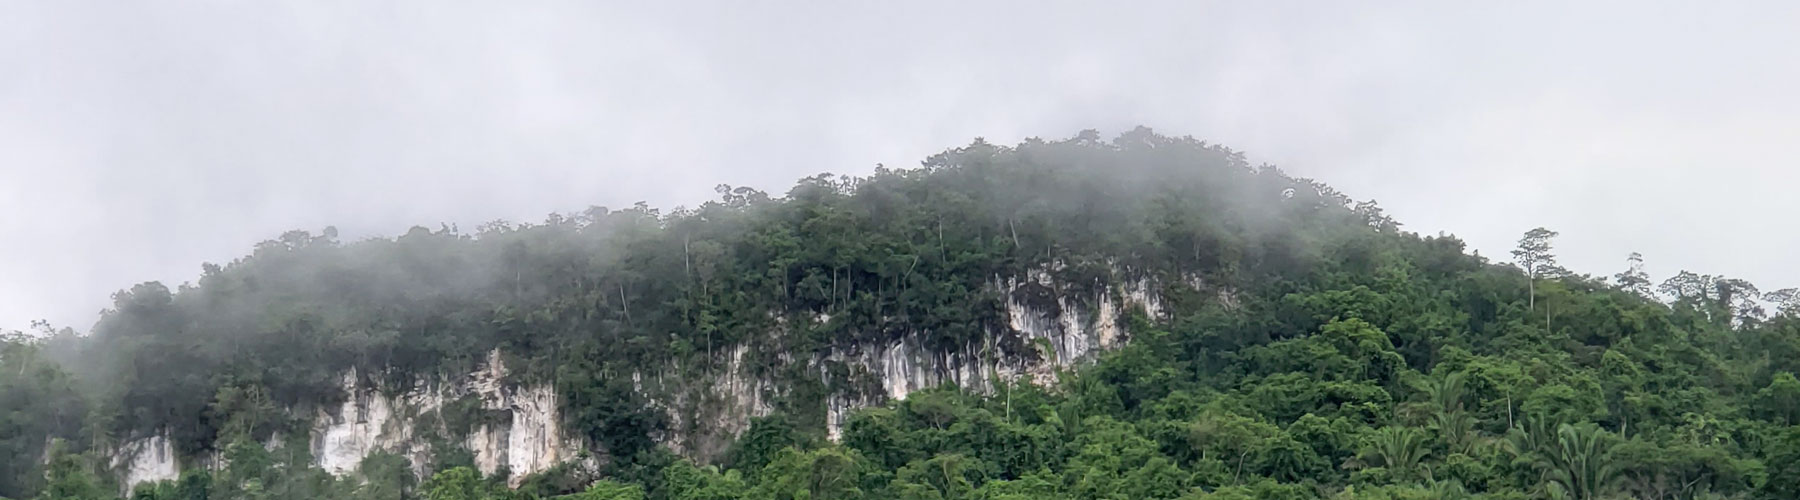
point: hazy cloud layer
(138, 140)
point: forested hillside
(1302, 346)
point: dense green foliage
(1311, 349)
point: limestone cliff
(524, 435)
(1049, 325)
(525, 438)
(1072, 326)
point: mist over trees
(1311, 348)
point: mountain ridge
(1078, 318)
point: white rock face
(1049, 326)
(534, 440)
(1142, 292)
(147, 460)
(1040, 311)
(526, 440)
(723, 401)
(529, 440)
(1074, 336)
(363, 424)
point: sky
(141, 139)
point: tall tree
(1728, 301)
(1739, 300)
(1535, 257)
(1786, 300)
(1633, 279)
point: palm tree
(1574, 461)
(1584, 454)
(1446, 393)
(1457, 430)
(1398, 449)
(1449, 489)
(1442, 410)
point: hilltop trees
(39, 400)
(1308, 348)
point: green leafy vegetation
(1308, 349)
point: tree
(194, 484)
(39, 403)
(1633, 279)
(606, 489)
(460, 483)
(1372, 214)
(1780, 400)
(1739, 299)
(1786, 301)
(70, 477)
(1783, 459)
(386, 476)
(1687, 285)
(821, 473)
(1679, 470)
(1038, 486)
(1572, 460)
(1534, 256)
(765, 438)
(683, 481)
(947, 477)
(1445, 393)
(1396, 449)
(1728, 301)
(1583, 461)
(1443, 404)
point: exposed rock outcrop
(526, 437)
(146, 460)
(1049, 325)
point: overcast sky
(140, 139)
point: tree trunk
(624, 303)
(1530, 292)
(1015, 232)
